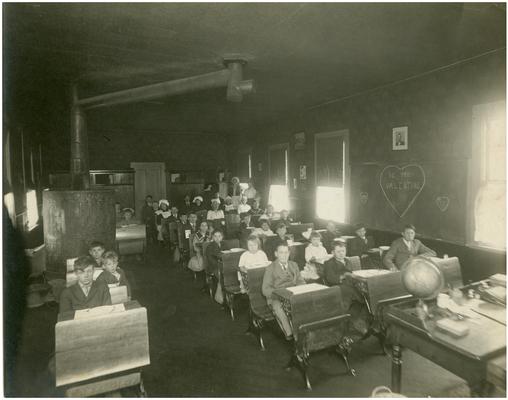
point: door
(149, 179)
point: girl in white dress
(253, 256)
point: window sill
(481, 247)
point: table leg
(396, 368)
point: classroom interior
(385, 116)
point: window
(32, 211)
(331, 158)
(244, 165)
(278, 195)
(488, 170)
(9, 205)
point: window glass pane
(490, 215)
(31, 209)
(278, 166)
(330, 203)
(279, 197)
(495, 150)
(330, 161)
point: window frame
(477, 170)
(344, 133)
(284, 146)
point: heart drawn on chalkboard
(401, 186)
(442, 203)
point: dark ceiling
(300, 54)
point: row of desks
(473, 358)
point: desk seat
(259, 311)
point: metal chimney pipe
(231, 77)
(80, 174)
(157, 90)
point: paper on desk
(322, 260)
(98, 311)
(260, 265)
(311, 287)
(367, 273)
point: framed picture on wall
(299, 140)
(400, 138)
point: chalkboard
(432, 196)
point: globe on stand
(422, 278)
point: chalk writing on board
(401, 186)
(364, 198)
(442, 202)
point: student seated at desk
(191, 227)
(280, 274)
(113, 274)
(404, 248)
(96, 250)
(196, 262)
(246, 228)
(270, 213)
(174, 215)
(215, 216)
(362, 243)
(280, 238)
(264, 229)
(255, 209)
(229, 207)
(161, 215)
(284, 217)
(243, 207)
(186, 207)
(85, 293)
(335, 271)
(213, 252)
(253, 256)
(127, 218)
(314, 251)
(198, 204)
(329, 236)
(336, 268)
(148, 218)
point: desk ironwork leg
(142, 391)
(482, 389)
(255, 327)
(301, 362)
(230, 299)
(396, 368)
(343, 349)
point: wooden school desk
(318, 321)
(228, 277)
(101, 353)
(259, 312)
(297, 229)
(131, 240)
(467, 357)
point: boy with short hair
(96, 250)
(280, 274)
(113, 274)
(85, 293)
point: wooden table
(318, 321)
(467, 357)
(102, 353)
(131, 239)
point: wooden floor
(197, 351)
